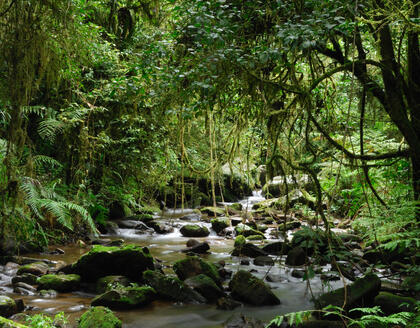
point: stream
(293, 292)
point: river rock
(263, 261)
(171, 288)
(299, 274)
(290, 225)
(361, 293)
(276, 248)
(194, 230)
(5, 323)
(50, 293)
(205, 286)
(219, 224)
(8, 306)
(213, 211)
(193, 266)
(250, 250)
(27, 278)
(59, 282)
(107, 283)
(101, 261)
(132, 224)
(36, 268)
(249, 289)
(391, 303)
(296, 257)
(191, 217)
(125, 298)
(161, 228)
(245, 230)
(238, 320)
(200, 248)
(99, 317)
(24, 289)
(240, 241)
(227, 303)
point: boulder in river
(263, 261)
(249, 289)
(99, 317)
(59, 282)
(36, 268)
(8, 306)
(27, 278)
(276, 248)
(110, 282)
(194, 230)
(227, 303)
(245, 230)
(125, 297)
(296, 257)
(205, 286)
(219, 224)
(200, 248)
(391, 303)
(238, 320)
(171, 288)
(361, 293)
(213, 211)
(193, 266)
(101, 261)
(248, 249)
(160, 228)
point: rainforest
(206, 164)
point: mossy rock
(5, 323)
(205, 286)
(59, 282)
(194, 230)
(240, 241)
(412, 283)
(27, 278)
(36, 268)
(390, 303)
(193, 266)
(237, 207)
(125, 298)
(99, 317)
(101, 261)
(296, 256)
(213, 211)
(361, 293)
(248, 249)
(249, 289)
(277, 248)
(171, 288)
(107, 283)
(255, 237)
(219, 224)
(245, 230)
(8, 306)
(145, 217)
(290, 225)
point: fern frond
(82, 212)
(46, 160)
(49, 128)
(59, 210)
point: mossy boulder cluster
(129, 261)
(193, 266)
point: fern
(45, 200)
(46, 160)
(293, 318)
(49, 128)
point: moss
(213, 211)
(8, 306)
(5, 323)
(109, 282)
(255, 237)
(127, 260)
(60, 283)
(193, 265)
(243, 229)
(99, 317)
(36, 268)
(218, 224)
(194, 230)
(391, 303)
(125, 298)
(240, 241)
(236, 206)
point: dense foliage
(135, 100)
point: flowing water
(295, 294)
